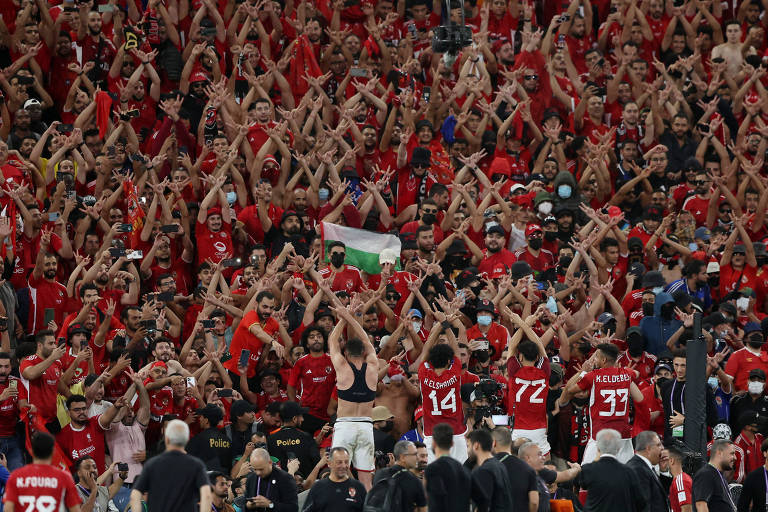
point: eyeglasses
(392, 296)
(430, 211)
(531, 77)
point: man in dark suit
(610, 485)
(649, 452)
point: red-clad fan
(539, 259)
(440, 382)
(41, 374)
(256, 329)
(496, 259)
(13, 398)
(313, 378)
(635, 357)
(83, 435)
(78, 352)
(528, 370)
(486, 328)
(41, 486)
(183, 405)
(681, 489)
(343, 277)
(610, 390)
(48, 296)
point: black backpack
(385, 495)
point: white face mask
(755, 387)
(742, 303)
(545, 208)
(416, 326)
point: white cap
(713, 266)
(387, 256)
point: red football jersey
(348, 279)
(9, 408)
(43, 390)
(609, 399)
(41, 487)
(680, 492)
(244, 339)
(87, 441)
(314, 379)
(528, 390)
(441, 397)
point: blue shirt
(702, 293)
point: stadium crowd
(286, 255)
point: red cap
(532, 228)
(699, 255)
(216, 210)
(161, 364)
(271, 159)
(198, 77)
(418, 413)
(614, 211)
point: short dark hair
(265, 294)
(79, 462)
(86, 287)
(442, 436)
(693, 267)
(42, 445)
(529, 350)
(40, 336)
(75, 398)
(609, 350)
(354, 347)
(5, 355)
(608, 242)
(719, 445)
(440, 356)
(483, 438)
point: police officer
(289, 442)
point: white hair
(608, 441)
(176, 433)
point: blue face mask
(712, 382)
(552, 305)
(323, 194)
(484, 320)
(564, 191)
(231, 197)
(657, 290)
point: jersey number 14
(446, 404)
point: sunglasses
(420, 165)
(726, 211)
(531, 77)
(701, 182)
(393, 296)
(430, 211)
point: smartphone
(191, 382)
(289, 455)
(108, 8)
(116, 252)
(561, 41)
(484, 345)
(26, 80)
(84, 344)
(149, 325)
(165, 296)
(500, 419)
(136, 255)
(564, 17)
(53, 216)
(245, 355)
(3, 323)
(65, 128)
(130, 114)
(169, 228)
(703, 127)
(224, 393)
(427, 92)
(208, 324)
(358, 72)
(230, 262)
(13, 384)
(50, 314)
(61, 341)
(122, 467)
(125, 228)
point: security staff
(211, 445)
(289, 442)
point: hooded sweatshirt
(656, 330)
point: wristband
(445, 324)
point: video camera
(453, 37)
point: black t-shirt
(329, 496)
(173, 481)
(544, 478)
(522, 480)
(411, 487)
(490, 490)
(214, 448)
(753, 493)
(290, 440)
(709, 485)
(382, 441)
(448, 485)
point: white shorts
(356, 435)
(458, 450)
(538, 436)
(625, 452)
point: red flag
(34, 423)
(303, 62)
(134, 211)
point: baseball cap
(31, 102)
(486, 305)
(496, 229)
(323, 311)
(381, 413)
(416, 313)
(663, 366)
(713, 267)
(757, 373)
(77, 329)
(421, 156)
(703, 233)
(198, 76)
(387, 255)
(752, 327)
(532, 228)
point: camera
(381, 458)
(453, 37)
(490, 391)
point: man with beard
(679, 143)
(22, 126)
(47, 295)
(489, 476)
(342, 276)
(88, 488)
(61, 78)
(158, 262)
(738, 264)
(260, 120)
(83, 435)
(313, 379)
(214, 226)
(539, 259)
(710, 491)
(96, 47)
(13, 398)
(288, 231)
(254, 333)
(425, 242)
(339, 492)
(219, 492)
(694, 283)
